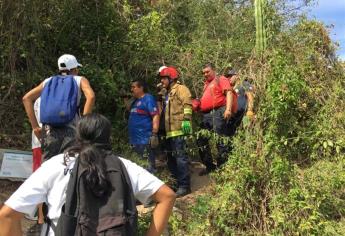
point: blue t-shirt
(140, 119)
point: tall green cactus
(261, 40)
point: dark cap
(231, 72)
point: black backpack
(85, 214)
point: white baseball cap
(68, 62)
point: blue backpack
(59, 100)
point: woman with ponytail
(91, 147)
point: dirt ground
(199, 185)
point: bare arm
(10, 222)
(250, 100)
(155, 124)
(160, 107)
(89, 94)
(229, 101)
(28, 101)
(165, 199)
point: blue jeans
(143, 149)
(178, 163)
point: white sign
(16, 165)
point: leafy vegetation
(285, 175)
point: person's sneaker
(182, 192)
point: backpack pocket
(107, 226)
(112, 226)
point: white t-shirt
(49, 184)
(35, 143)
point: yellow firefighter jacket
(178, 107)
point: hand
(186, 127)
(38, 132)
(227, 114)
(128, 103)
(196, 105)
(154, 142)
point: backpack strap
(47, 220)
(218, 81)
(72, 198)
(70, 209)
(129, 200)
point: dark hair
(230, 72)
(141, 83)
(91, 145)
(210, 65)
(66, 72)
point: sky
(332, 12)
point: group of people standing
(167, 119)
(77, 159)
(73, 143)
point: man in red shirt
(218, 104)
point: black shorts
(56, 140)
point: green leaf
(330, 143)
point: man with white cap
(62, 91)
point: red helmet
(170, 72)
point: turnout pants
(178, 163)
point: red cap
(170, 72)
